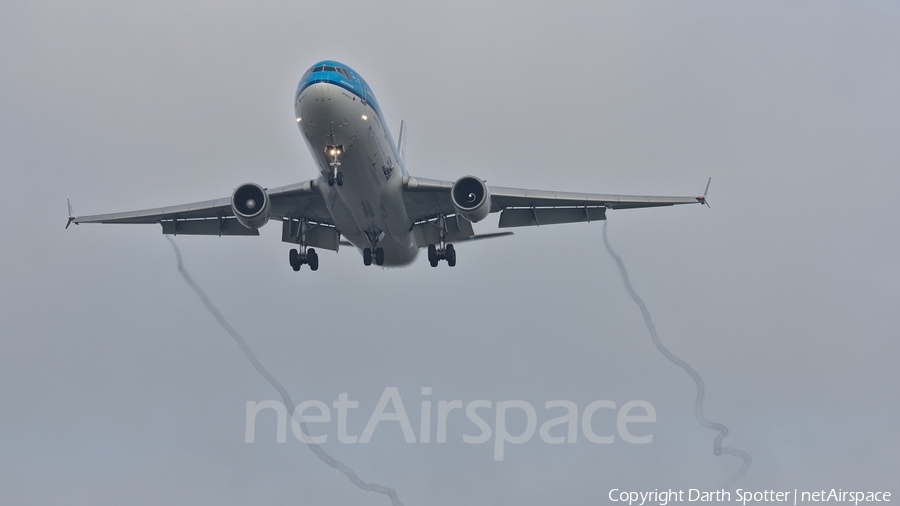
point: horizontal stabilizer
(485, 236)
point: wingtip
(702, 199)
(71, 214)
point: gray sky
(116, 385)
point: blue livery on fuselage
(346, 134)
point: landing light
(298, 120)
(365, 117)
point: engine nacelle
(250, 204)
(471, 198)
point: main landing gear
(435, 255)
(443, 251)
(336, 176)
(374, 252)
(377, 256)
(309, 257)
(303, 255)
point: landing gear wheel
(432, 255)
(379, 256)
(367, 256)
(451, 255)
(312, 258)
(330, 179)
(340, 179)
(294, 257)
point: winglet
(702, 199)
(71, 218)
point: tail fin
(401, 143)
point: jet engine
(471, 198)
(250, 204)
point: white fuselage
(368, 209)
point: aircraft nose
(318, 92)
(312, 104)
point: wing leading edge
(426, 198)
(299, 201)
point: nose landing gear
(334, 154)
(336, 177)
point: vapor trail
(285, 397)
(718, 449)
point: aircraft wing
(215, 217)
(426, 198)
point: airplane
(364, 196)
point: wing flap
(219, 226)
(429, 232)
(317, 235)
(543, 216)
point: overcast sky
(117, 386)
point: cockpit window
(329, 68)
